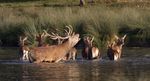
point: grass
(100, 21)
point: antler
(55, 36)
(52, 35)
(70, 30)
(22, 40)
(92, 39)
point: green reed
(99, 21)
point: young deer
(72, 54)
(55, 53)
(24, 50)
(89, 51)
(115, 48)
(40, 38)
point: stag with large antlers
(24, 50)
(89, 51)
(55, 53)
(72, 54)
(115, 48)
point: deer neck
(66, 45)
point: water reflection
(76, 71)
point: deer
(114, 50)
(40, 38)
(72, 54)
(89, 51)
(23, 49)
(54, 53)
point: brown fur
(89, 51)
(115, 49)
(53, 53)
(71, 54)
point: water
(134, 66)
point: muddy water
(134, 66)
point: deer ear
(124, 36)
(116, 37)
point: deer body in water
(72, 54)
(115, 48)
(89, 51)
(54, 53)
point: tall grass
(99, 21)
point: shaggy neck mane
(66, 45)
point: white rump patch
(95, 53)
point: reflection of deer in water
(115, 48)
(55, 53)
(89, 51)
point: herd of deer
(65, 49)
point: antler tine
(25, 38)
(47, 34)
(44, 33)
(22, 40)
(92, 39)
(54, 36)
(70, 30)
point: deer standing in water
(89, 51)
(115, 48)
(54, 53)
(23, 49)
(72, 54)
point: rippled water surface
(134, 66)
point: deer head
(55, 53)
(41, 38)
(115, 48)
(88, 41)
(120, 40)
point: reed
(99, 21)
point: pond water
(133, 66)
